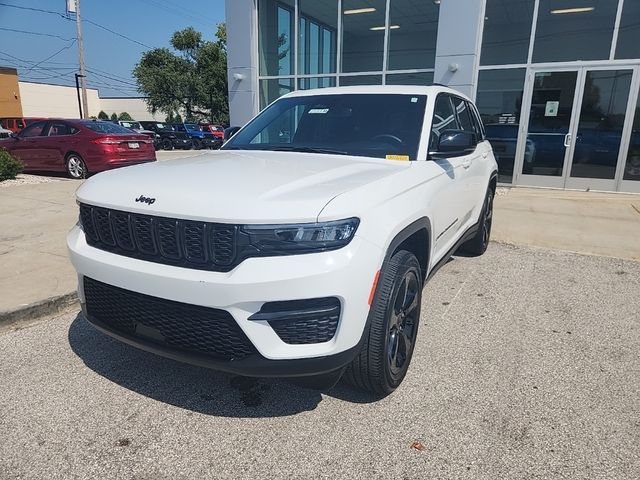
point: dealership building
(557, 81)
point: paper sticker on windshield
(319, 110)
(414, 99)
(397, 157)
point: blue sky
(109, 58)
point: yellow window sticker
(397, 157)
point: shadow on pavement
(194, 388)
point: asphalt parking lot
(526, 366)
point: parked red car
(217, 130)
(15, 124)
(78, 147)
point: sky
(48, 53)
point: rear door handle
(567, 140)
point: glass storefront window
(499, 100)
(566, 32)
(632, 165)
(363, 24)
(317, 36)
(316, 82)
(628, 45)
(604, 105)
(275, 37)
(507, 32)
(413, 29)
(361, 80)
(418, 78)
(271, 89)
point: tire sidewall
(84, 166)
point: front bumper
(346, 274)
(181, 143)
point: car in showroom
(168, 137)
(301, 247)
(78, 147)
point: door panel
(550, 117)
(600, 125)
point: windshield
(106, 127)
(131, 125)
(370, 125)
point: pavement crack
(635, 208)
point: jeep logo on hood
(147, 200)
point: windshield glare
(370, 125)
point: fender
(406, 232)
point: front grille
(184, 243)
(301, 322)
(177, 325)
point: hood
(236, 187)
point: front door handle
(567, 140)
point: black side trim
(468, 235)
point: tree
(114, 117)
(125, 116)
(102, 115)
(191, 78)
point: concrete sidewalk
(35, 219)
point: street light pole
(78, 92)
(84, 112)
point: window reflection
(317, 36)
(507, 32)
(275, 37)
(418, 78)
(565, 32)
(271, 89)
(363, 35)
(413, 29)
(628, 45)
(499, 100)
(361, 80)
(632, 166)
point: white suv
(302, 246)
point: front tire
(197, 144)
(479, 243)
(386, 353)
(166, 144)
(76, 168)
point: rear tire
(76, 168)
(197, 144)
(166, 144)
(479, 243)
(388, 346)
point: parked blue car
(199, 136)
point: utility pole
(78, 92)
(83, 82)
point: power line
(51, 56)
(112, 78)
(36, 10)
(36, 33)
(116, 33)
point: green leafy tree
(170, 118)
(102, 115)
(191, 78)
(177, 118)
(114, 117)
(125, 116)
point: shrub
(102, 115)
(10, 166)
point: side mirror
(230, 132)
(14, 136)
(454, 143)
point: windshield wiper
(310, 150)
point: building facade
(557, 81)
(10, 104)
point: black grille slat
(102, 223)
(177, 325)
(144, 234)
(171, 241)
(122, 230)
(223, 244)
(167, 231)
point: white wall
(43, 100)
(136, 107)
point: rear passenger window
(444, 118)
(477, 122)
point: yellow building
(10, 103)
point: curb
(33, 311)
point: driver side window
(444, 118)
(33, 130)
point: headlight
(302, 237)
